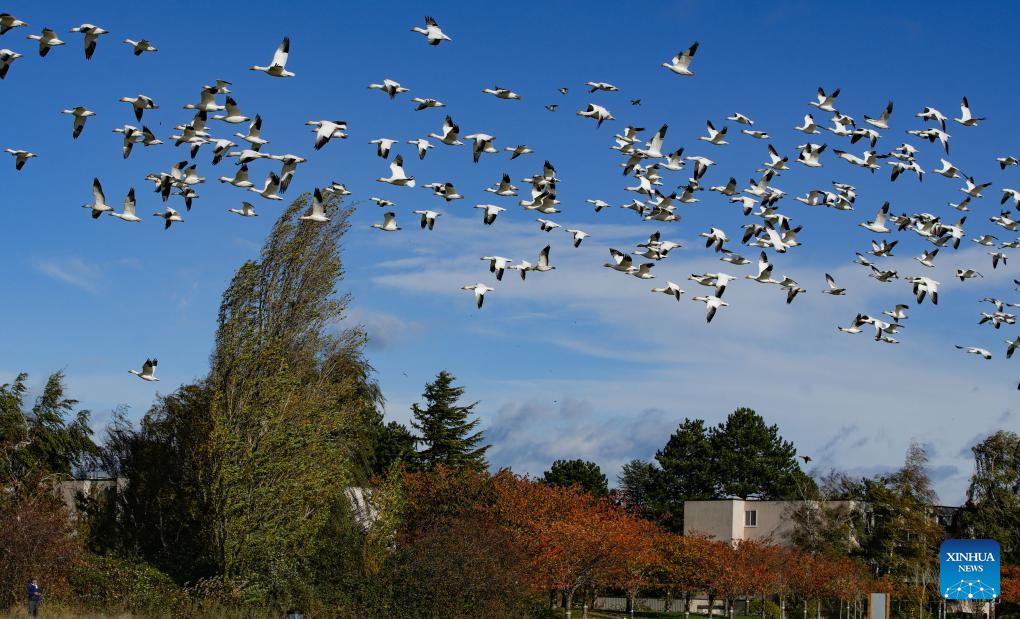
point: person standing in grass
(34, 597)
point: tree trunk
(687, 605)
(552, 599)
(818, 608)
(805, 608)
(763, 598)
(782, 607)
(570, 600)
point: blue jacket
(34, 592)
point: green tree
(48, 440)
(992, 510)
(446, 434)
(636, 486)
(578, 472)
(753, 460)
(904, 537)
(687, 471)
(832, 519)
(393, 442)
(291, 400)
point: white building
(737, 519)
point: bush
(109, 584)
(771, 609)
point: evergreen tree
(393, 442)
(687, 471)
(578, 472)
(992, 510)
(754, 461)
(636, 486)
(446, 435)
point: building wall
(724, 519)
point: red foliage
(1010, 584)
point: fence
(659, 605)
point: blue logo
(969, 569)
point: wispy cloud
(71, 270)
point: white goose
(140, 104)
(833, 289)
(825, 102)
(422, 146)
(397, 175)
(597, 112)
(714, 137)
(8, 22)
(497, 265)
(326, 130)
(974, 350)
(206, 101)
(7, 57)
(547, 225)
(432, 32)
(681, 63)
(428, 218)
(712, 305)
(91, 34)
(383, 146)
(233, 115)
(502, 93)
(240, 178)
(318, 211)
(271, 189)
(47, 39)
(20, 157)
(98, 205)
(878, 226)
(451, 131)
(389, 223)
(483, 144)
(170, 216)
(140, 47)
(278, 67)
(148, 372)
(246, 210)
(490, 211)
(424, 104)
(479, 290)
(505, 188)
(671, 289)
(966, 118)
(390, 87)
(129, 209)
(882, 122)
(80, 113)
(809, 125)
(579, 236)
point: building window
(751, 518)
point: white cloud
(71, 270)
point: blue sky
(581, 362)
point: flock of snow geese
(642, 159)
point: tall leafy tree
(447, 435)
(992, 510)
(904, 538)
(687, 471)
(291, 399)
(636, 485)
(753, 460)
(583, 473)
(393, 442)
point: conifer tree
(446, 434)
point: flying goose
(598, 204)
(426, 103)
(715, 238)
(974, 350)
(764, 275)
(671, 289)
(451, 131)
(140, 47)
(712, 305)
(80, 113)
(47, 39)
(9, 22)
(972, 189)
(825, 102)
(501, 93)
(680, 64)
(882, 122)
(233, 115)
(20, 157)
(833, 289)
(140, 104)
(497, 264)
(382, 202)
(547, 225)
(383, 146)
(7, 57)
(927, 258)
(517, 151)
(318, 211)
(445, 191)
(966, 118)
(148, 372)
(91, 34)
(643, 271)
(326, 130)
(246, 210)
(505, 188)
(479, 290)
(1011, 346)
(240, 178)
(278, 67)
(578, 236)
(433, 33)
(758, 135)
(898, 313)
(98, 205)
(809, 126)
(490, 212)
(389, 223)
(737, 117)
(206, 101)
(543, 262)
(714, 137)
(483, 144)
(169, 216)
(270, 190)
(967, 274)
(603, 86)
(129, 209)
(597, 112)
(1005, 162)
(428, 218)
(397, 175)
(878, 226)
(390, 87)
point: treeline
(238, 491)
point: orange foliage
(1010, 585)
